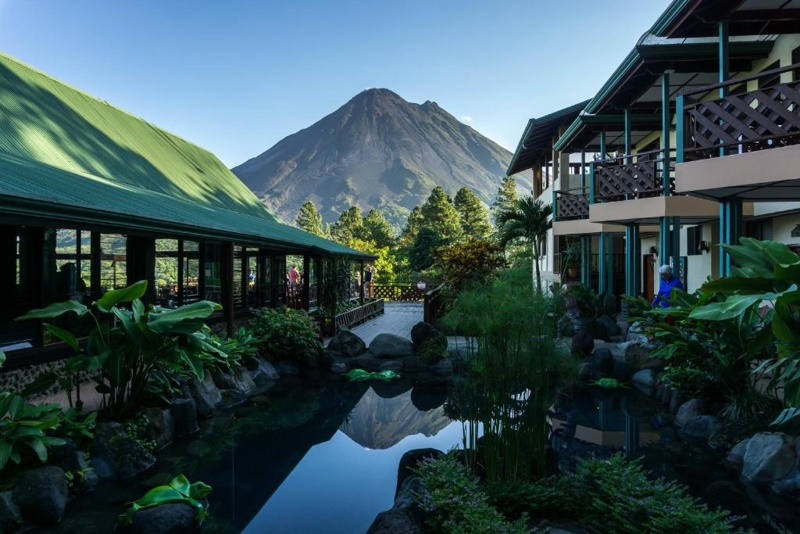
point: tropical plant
(139, 354)
(456, 503)
(335, 286)
(529, 220)
(767, 273)
(286, 334)
(473, 214)
(179, 490)
(472, 263)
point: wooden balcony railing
(571, 204)
(630, 177)
(742, 121)
(618, 259)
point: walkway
(398, 319)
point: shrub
(455, 502)
(289, 334)
(433, 349)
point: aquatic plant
(608, 383)
(513, 365)
(612, 495)
(359, 375)
(287, 333)
(455, 502)
(138, 354)
(179, 490)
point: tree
(474, 216)
(420, 257)
(309, 219)
(506, 197)
(529, 220)
(378, 230)
(472, 263)
(385, 262)
(438, 212)
(350, 225)
(413, 226)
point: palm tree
(529, 219)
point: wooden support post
(94, 265)
(306, 281)
(181, 274)
(202, 251)
(227, 285)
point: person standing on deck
(294, 275)
(668, 283)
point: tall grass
(513, 364)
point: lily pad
(359, 375)
(609, 383)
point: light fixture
(654, 251)
(704, 246)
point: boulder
(585, 370)
(395, 521)
(420, 332)
(392, 365)
(675, 400)
(264, 371)
(582, 343)
(41, 495)
(366, 362)
(232, 398)
(243, 381)
(347, 344)
(339, 365)
(701, 427)
(611, 327)
(412, 364)
(637, 355)
(66, 456)
(636, 333)
(435, 375)
(409, 461)
(391, 346)
(184, 415)
(428, 398)
(206, 395)
(160, 427)
(736, 455)
(603, 362)
(644, 381)
(769, 456)
(688, 410)
(10, 516)
(623, 328)
(224, 380)
(171, 518)
(115, 454)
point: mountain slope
(377, 150)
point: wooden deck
(398, 319)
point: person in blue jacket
(668, 283)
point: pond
(299, 459)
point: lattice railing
(630, 177)
(768, 117)
(571, 206)
(399, 292)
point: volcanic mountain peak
(376, 151)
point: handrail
(736, 81)
(583, 191)
(624, 158)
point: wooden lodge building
(92, 198)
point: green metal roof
(536, 138)
(66, 154)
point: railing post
(628, 143)
(591, 183)
(676, 245)
(602, 144)
(583, 172)
(555, 206)
(601, 263)
(680, 133)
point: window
(773, 79)
(796, 61)
(213, 273)
(113, 262)
(761, 230)
(694, 237)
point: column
(601, 263)
(633, 254)
(730, 230)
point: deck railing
(630, 177)
(434, 305)
(398, 292)
(743, 120)
(571, 204)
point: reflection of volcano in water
(378, 423)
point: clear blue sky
(236, 76)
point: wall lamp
(654, 251)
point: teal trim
(666, 123)
(555, 206)
(730, 230)
(633, 252)
(724, 56)
(601, 263)
(610, 266)
(603, 144)
(586, 261)
(628, 133)
(669, 17)
(664, 243)
(680, 134)
(676, 245)
(591, 183)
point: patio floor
(398, 319)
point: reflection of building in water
(379, 423)
(608, 419)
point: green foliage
(421, 254)
(414, 224)
(179, 490)
(608, 383)
(335, 287)
(286, 334)
(385, 264)
(433, 349)
(378, 230)
(514, 351)
(613, 495)
(349, 225)
(309, 219)
(360, 375)
(137, 355)
(713, 360)
(590, 304)
(528, 220)
(438, 212)
(767, 272)
(469, 264)
(506, 197)
(455, 502)
(242, 346)
(25, 426)
(77, 426)
(473, 214)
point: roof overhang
(585, 227)
(652, 210)
(696, 18)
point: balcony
(571, 205)
(744, 144)
(631, 177)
